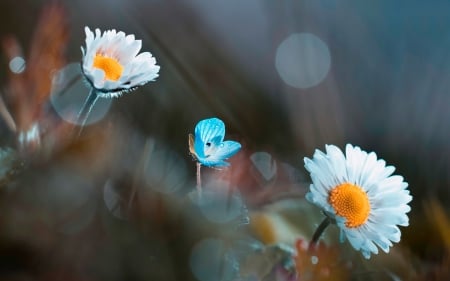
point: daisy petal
(115, 54)
(361, 193)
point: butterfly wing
(208, 145)
(223, 151)
(209, 133)
(191, 145)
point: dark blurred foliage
(387, 91)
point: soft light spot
(221, 203)
(17, 65)
(114, 201)
(210, 260)
(302, 60)
(69, 93)
(164, 170)
(351, 202)
(31, 136)
(264, 164)
(112, 68)
(314, 260)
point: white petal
(129, 51)
(337, 159)
(89, 36)
(354, 237)
(367, 169)
(388, 194)
(394, 216)
(352, 163)
(391, 200)
(138, 68)
(319, 186)
(98, 78)
(377, 236)
(366, 254)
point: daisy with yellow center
(359, 192)
(112, 65)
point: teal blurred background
(380, 81)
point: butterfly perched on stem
(208, 146)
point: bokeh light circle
(302, 60)
(221, 203)
(210, 261)
(264, 164)
(164, 169)
(69, 92)
(17, 65)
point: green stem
(320, 229)
(199, 180)
(88, 105)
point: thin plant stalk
(199, 180)
(320, 229)
(88, 105)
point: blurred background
(286, 77)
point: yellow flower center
(351, 202)
(112, 68)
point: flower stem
(320, 229)
(83, 115)
(199, 180)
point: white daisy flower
(361, 194)
(112, 65)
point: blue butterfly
(209, 147)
